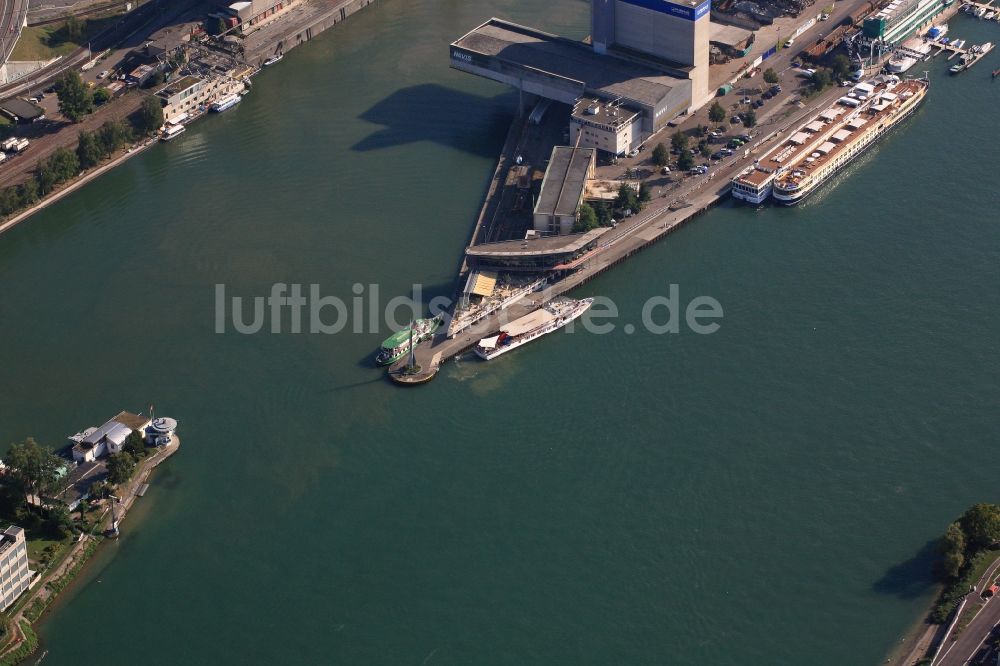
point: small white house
(94, 443)
(161, 431)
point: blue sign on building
(680, 11)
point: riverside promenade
(42, 590)
(663, 216)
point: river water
(762, 495)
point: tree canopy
(685, 161)
(981, 525)
(33, 468)
(679, 140)
(717, 113)
(586, 220)
(75, 98)
(628, 198)
(150, 117)
(770, 76)
(660, 155)
(120, 467)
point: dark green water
(763, 495)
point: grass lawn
(36, 548)
(45, 42)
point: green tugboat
(398, 344)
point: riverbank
(23, 640)
(304, 21)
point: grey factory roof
(529, 48)
(728, 35)
(21, 109)
(537, 246)
(565, 179)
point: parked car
(103, 75)
(775, 89)
(717, 155)
(990, 591)
(767, 95)
(727, 151)
(758, 103)
(633, 152)
(745, 100)
(745, 138)
(736, 120)
(665, 170)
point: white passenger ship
(548, 318)
(828, 141)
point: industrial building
(565, 181)
(15, 576)
(189, 94)
(534, 254)
(647, 63)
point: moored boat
(546, 319)
(397, 345)
(835, 137)
(224, 104)
(273, 59)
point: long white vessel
(843, 132)
(907, 55)
(226, 103)
(550, 317)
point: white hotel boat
(546, 319)
(829, 141)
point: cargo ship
(841, 133)
(397, 345)
(546, 319)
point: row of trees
(91, 149)
(965, 552)
(600, 214)
(76, 100)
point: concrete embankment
(302, 23)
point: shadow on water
(432, 112)
(911, 578)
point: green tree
(33, 468)
(65, 163)
(135, 444)
(155, 80)
(770, 76)
(705, 149)
(679, 141)
(821, 80)
(841, 67)
(685, 161)
(27, 192)
(150, 117)
(586, 219)
(101, 95)
(218, 27)
(58, 523)
(645, 195)
(952, 548)
(75, 98)
(750, 117)
(717, 113)
(981, 525)
(661, 156)
(45, 177)
(88, 150)
(10, 202)
(111, 136)
(603, 214)
(74, 29)
(627, 199)
(120, 467)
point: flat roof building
(21, 111)
(562, 190)
(545, 65)
(15, 576)
(540, 253)
(608, 126)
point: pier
(663, 216)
